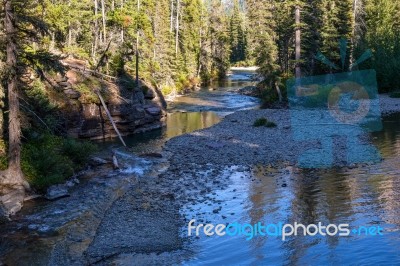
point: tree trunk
(53, 41)
(356, 7)
(103, 14)
(172, 16)
(69, 29)
(122, 29)
(2, 94)
(137, 49)
(14, 148)
(177, 28)
(69, 34)
(110, 117)
(278, 90)
(13, 185)
(298, 43)
(96, 30)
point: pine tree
(237, 35)
(383, 38)
(23, 30)
(218, 38)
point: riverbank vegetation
(366, 24)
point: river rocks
(154, 111)
(215, 145)
(96, 161)
(250, 91)
(11, 200)
(56, 192)
(149, 94)
(151, 155)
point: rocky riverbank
(134, 216)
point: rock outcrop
(136, 111)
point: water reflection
(363, 196)
(182, 123)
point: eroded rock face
(140, 111)
(93, 122)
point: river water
(361, 196)
(197, 110)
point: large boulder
(11, 200)
(57, 191)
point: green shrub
(78, 151)
(167, 90)
(41, 109)
(3, 163)
(49, 160)
(263, 122)
(270, 124)
(260, 122)
(117, 65)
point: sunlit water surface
(363, 196)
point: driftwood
(110, 117)
(94, 73)
(278, 90)
(115, 161)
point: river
(197, 110)
(359, 196)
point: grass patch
(263, 122)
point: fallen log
(110, 117)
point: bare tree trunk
(53, 41)
(200, 44)
(103, 14)
(96, 30)
(137, 49)
(122, 30)
(278, 90)
(177, 27)
(298, 43)
(69, 29)
(111, 119)
(2, 94)
(357, 9)
(69, 34)
(172, 16)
